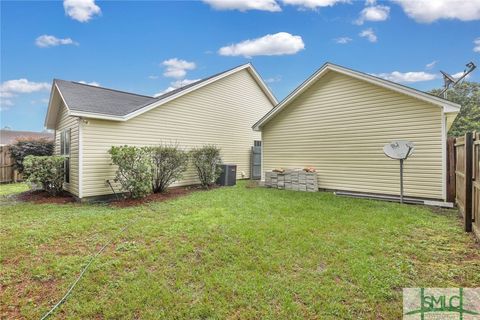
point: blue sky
(147, 47)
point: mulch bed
(171, 193)
(40, 196)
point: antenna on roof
(450, 82)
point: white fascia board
(48, 122)
(90, 115)
(396, 87)
(263, 85)
(446, 105)
(450, 109)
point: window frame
(65, 149)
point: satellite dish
(399, 150)
(447, 78)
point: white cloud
(81, 10)
(428, 11)
(152, 77)
(369, 34)
(373, 13)
(459, 74)
(414, 76)
(45, 41)
(313, 4)
(11, 87)
(273, 79)
(177, 68)
(176, 84)
(343, 40)
(93, 83)
(270, 45)
(431, 64)
(244, 5)
(43, 100)
(476, 42)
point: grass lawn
(230, 253)
(12, 188)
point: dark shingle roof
(10, 136)
(86, 98)
(93, 99)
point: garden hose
(73, 285)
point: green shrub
(134, 172)
(168, 165)
(206, 160)
(47, 171)
(30, 146)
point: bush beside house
(143, 170)
(134, 170)
(168, 165)
(47, 171)
(206, 160)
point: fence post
(451, 167)
(468, 181)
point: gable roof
(89, 101)
(93, 99)
(448, 106)
(10, 136)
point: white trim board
(447, 106)
(49, 123)
(80, 158)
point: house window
(65, 151)
(257, 143)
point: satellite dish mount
(399, 150)
(450, 82)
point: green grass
(231, 253)
(12, 188)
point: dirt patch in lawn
(40, 196)
(171, 193)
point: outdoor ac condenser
(228, 177)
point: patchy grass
(12, 188)
(236, 253)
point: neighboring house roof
(8, 137)
(102, 103)
(448, 106)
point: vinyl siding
(220, 113)
(340, 125)
(68, 122)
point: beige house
(218, 110)
(338, 121)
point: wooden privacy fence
(464, 161)
(7, 171)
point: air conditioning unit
(228, 177)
